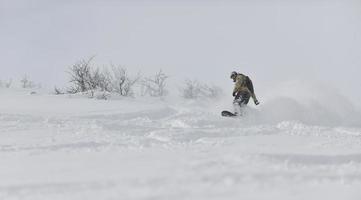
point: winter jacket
(244, 84)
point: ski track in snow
(131, 149)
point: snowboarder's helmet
(234, 75)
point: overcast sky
(272, 41)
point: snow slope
(61, 147)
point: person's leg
(251, 89)
(245, 98)
(242, 98)
(237, 99)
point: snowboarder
(243, 89)
(242, 92)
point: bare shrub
(193, 89)
(121, 82)
(87, 79)
(4, 84)
(100, 80)
(155, 86)
(80, 76)
(26, 83)
(211, 91)
(8, 83)
(58, 91)
(102, 95)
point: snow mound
(61, 147)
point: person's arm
(237, 86)
(234, 93)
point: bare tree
(121, 82)
(26, 83)
(100, 79)
(86, 78)
(80, 76)
(191, 90)
(155, 86)
(194, 89)
(91, 80)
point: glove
(234, 94)
(256, 102)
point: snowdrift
(293, 146)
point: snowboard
(226, 113)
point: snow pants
(242, 98)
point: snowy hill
(63, 147)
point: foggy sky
(272, 41)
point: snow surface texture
(63, 147)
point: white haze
(272, 41)
(302, 142)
